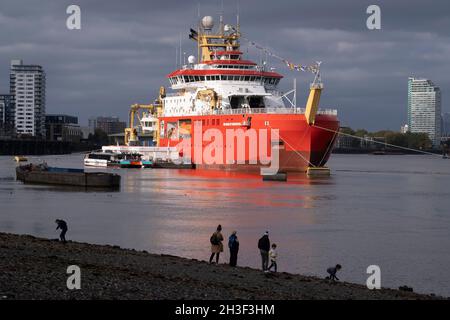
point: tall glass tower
(424, 108)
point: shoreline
(35, 268)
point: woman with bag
(216, 244)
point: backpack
(214, 239)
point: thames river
(390, 211)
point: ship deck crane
(155, 109)
(315, 90)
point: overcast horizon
(124, 51)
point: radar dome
(208, 22)
(191, 59)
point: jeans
(233, 258)
(264, 259)
(62, 236)
(273, 264)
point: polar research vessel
(218, 91)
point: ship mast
(226, 38)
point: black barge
(42, 174)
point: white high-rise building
(424, 108)
(27, 84)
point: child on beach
(332, 272)
(273, 254)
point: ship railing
(228, 111)
(173, 94)
(269, 111)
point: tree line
(411, 140)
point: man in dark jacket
(264, 247)
(61, 224)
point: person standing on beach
(61, 224)
(233, 244)
(273, 254)
(264, 247)
(216, 244)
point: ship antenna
(317, 83)
(200, 59)
(237, 19)
(180, 53)
(176, 57)
(221, 19)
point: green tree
(99, 137)
(347, 130)
(361, 133)
(397, 138)
(419, 141)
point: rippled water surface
(391, 211)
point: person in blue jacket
(233, 245)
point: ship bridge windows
(238, 102)
(271, 81)
(201, 78)
(232, 66)
(223, 56)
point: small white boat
(20, 159)
(102, 159)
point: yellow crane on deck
(315, 90)
(154, 109)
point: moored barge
(42, 174)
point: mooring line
(293, 147)
(328, 148)
(379, 142)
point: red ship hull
(300, 145)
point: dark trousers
(233, 258)
(273, 264)
(264, 259)
(62, 236)
(212, 256)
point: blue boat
(147, 163)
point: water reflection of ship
(199, 190)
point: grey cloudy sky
(126, 48)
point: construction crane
(154, 109)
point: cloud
(126, 48)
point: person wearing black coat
(264, 247)
(61, 224)
(233, 244)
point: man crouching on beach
(61, 224)
(332, 272)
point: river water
(390, 211)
